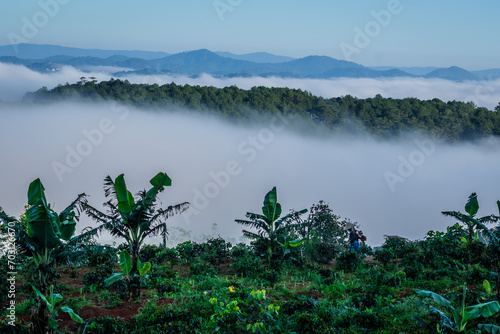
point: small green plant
(126, 275)
(272, 230)
(51, 300)
(348, 261)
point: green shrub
(148, 253)
(101, 272)
(271, 275)
(199, 267)
(107, 325)
(169, 256)
(168, 286)
(247, 266)
(185, 317)
(240, 250)
(185, 251)
(347, 261)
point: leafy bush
(247, 266)
(168, 255)
(240, 250)
(347, 261)
(185, 251)
(107, 325)
(199, 267)
(167, 286)
(183, 318)
(271, 275)
(216, 250)
(149, 252)
(96, 278)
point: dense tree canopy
(382, 117)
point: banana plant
(492, 235)
(134, 219)
(471, 207)
(126, 267)
(272, 229)
(47, 237)
(51, 300)
(464, 318)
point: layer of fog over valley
(389, 187)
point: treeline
(382, 117)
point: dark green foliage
(247, 266)
(179, 318)
(96, 278)
(324, 234)
(202, 268)
(167, 256)
(107, 325)
(214, 250)
(271, 275)
(149, 253)
(298, 304)
(185, 251)
(162, 272)
(240, 250)
(4, 287)
(348, 261)
(167, 286)
(382, 117)
(5, 328)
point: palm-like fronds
(76, 206)
(272, 231)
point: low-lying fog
(224, 170)
(16, 80)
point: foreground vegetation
(381, 117)
(294, 277)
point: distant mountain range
(50, 58)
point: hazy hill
(256, 57)
(49, 58)
(42, 51)
(415, 70)
(488, 74)
(451, 73)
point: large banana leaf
(440, 300)
(72, 314)
(482, 310)
(36, 192)
(158, 182)
(43, 223)
(271, 208)
(143, 268)
(67, 229)
(125, 262)
(115, 277)
(472, 205)
(490, 329)
(124, 197)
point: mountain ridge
(218, 63)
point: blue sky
(417, 32)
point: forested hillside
(381, 117)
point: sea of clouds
(224, 170)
